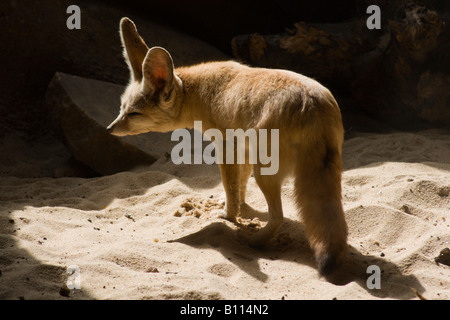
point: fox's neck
(192, 106)
(199, 92)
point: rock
(82, 109)
(397, 74)
(64, 291)
(433, 96)
(413, 66)
(443, 257)
(73, 168)
(219, 22)
(316, 50)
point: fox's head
(151, 101)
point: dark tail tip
(328, 264)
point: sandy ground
(154, 233)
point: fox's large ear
(157, 71)
(134, 47)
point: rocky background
(398, 75)
(396, 78)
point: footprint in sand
(222, 269)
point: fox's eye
(134, 114)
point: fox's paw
(222, 214)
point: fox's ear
(134, 47)
(157, 71)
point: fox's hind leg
(270, 186)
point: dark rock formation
(398, 74)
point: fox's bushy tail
(318, 189)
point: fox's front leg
(231, 183)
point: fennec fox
(229, 95)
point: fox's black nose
(109, 129)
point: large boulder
(82, 109)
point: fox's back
(242, 97)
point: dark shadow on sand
(290, 244)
